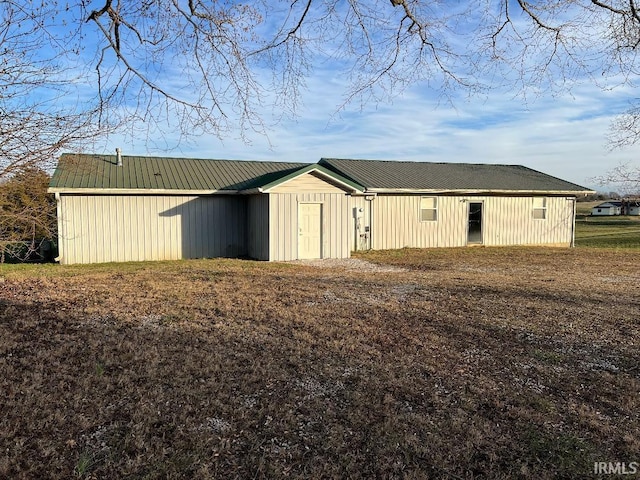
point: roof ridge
(156, 157)
(421, 161)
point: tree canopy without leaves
(40, 111)
(202, 66)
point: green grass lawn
(608, 232)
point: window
(428, 209)
(539, 208)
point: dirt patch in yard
(357, 264)
(452, 364)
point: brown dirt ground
(465, 363)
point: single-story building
(114, 208)
(632, 207)
(607, 208)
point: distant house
(632, 207)
(114, 209)
(607, 208)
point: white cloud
(563, 136)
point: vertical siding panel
(121, 230)
(335, 243)
(72, 211)
(112, 213)
(278, 226)
(279, 241)
(138, 221)
(130, 205)
(273, 227)
(78, 229)
(176, 249)
(292, 252)
(124, 230)
(199, 224)
(154, 221)
(97, 241)
(62, 221)
(131, 237)
(156, 209)
(80, 238)
(215, 235)
(151, 227)
(159, 207)
(124, 233)
(165, 216)
(90, 226)
(265, 217)
(86, 228)
(291, 244)
(73, 231)
(109, 208)
(258, 227)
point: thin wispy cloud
(563, 134)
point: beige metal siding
(258, 226)
(506, 221)
(120, 228)
(283, 224)
(307, 183)
(510, 221)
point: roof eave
(478, 191)
(251, 191)
(137, 191)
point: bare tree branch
(200, 67)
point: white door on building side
(309, 230)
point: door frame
(320, 204)
(482, 214)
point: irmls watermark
(616, 468)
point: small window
(428, 209)
(540, 208)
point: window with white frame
(428, 209)
(539, 208)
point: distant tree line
(600, 196)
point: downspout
(60, 229)
(573, 223)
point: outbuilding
(114, 208)
(607, 208)
(632, 207)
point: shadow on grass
(430, 387)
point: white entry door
(309, 230)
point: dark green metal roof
(85, 171)
(100, 172)
(393, 175)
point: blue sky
(564, 135)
